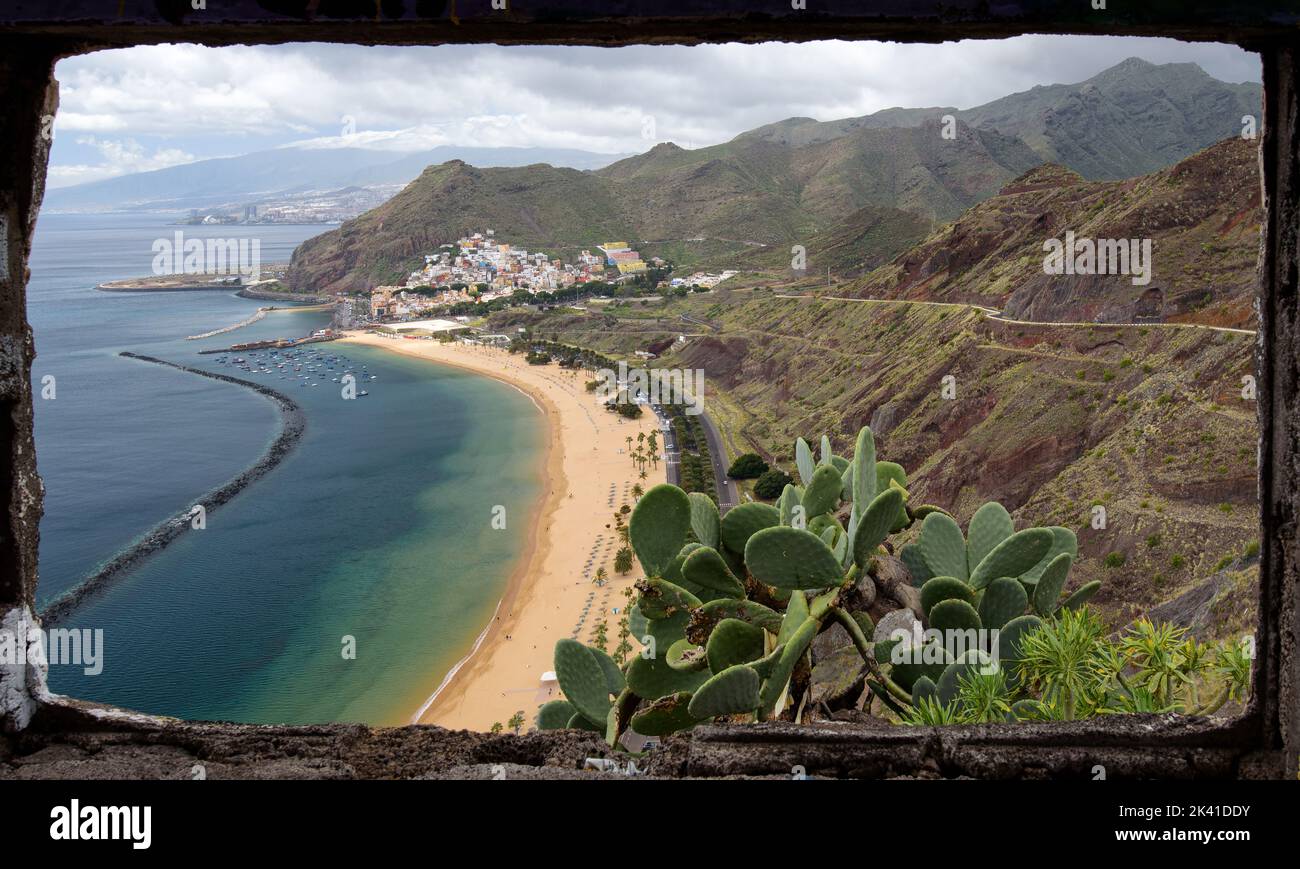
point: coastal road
(672, 457)
(728, 496)
(996, 315)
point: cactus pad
(927, 662)
(791, 558)
(733, 691)
(705, 567)
(823, 493)
(948, 684)
(990, 525)
(665, 716)
(942, 546)
(954, 615)
(1081, 595)
(653, 678)
(705, 521)
(1003, 600)
(1063, 541)
(803, 461)
(583, 680)
(703, 620)
(941, 588)
(742, 522)
(733, 642)
(555, 715)
(1012, 557)
(1009, 639)
(793, 650)
(660, 599)
(864, 469)
(686, 657)
(658, 527)
(1047, 593)
(875, 525)
(910, 555)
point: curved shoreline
(553, 484)
(293, 423)
(550, 593)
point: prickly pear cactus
(730, 605)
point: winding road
(996, 315)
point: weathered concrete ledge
(72, 739)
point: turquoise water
(377, 527)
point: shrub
(1115, 560)
(747, 466)
(771, 483)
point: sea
(343, 585)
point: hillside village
(480, 269)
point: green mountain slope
(853, 192)
(1202, 216)
(742, 196)
(1059, 421)
(539, 207)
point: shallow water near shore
(376, 527)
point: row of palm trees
(646, 452)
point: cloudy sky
(150, 107)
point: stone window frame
(1261, 742)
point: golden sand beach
(589, 475)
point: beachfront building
(707, 280)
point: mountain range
(1053, 414)
(282, 172)
(854, 192)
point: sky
(149, 107)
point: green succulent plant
(731, 604)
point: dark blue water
(375, 528)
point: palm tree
(629, 441)
(637, 491)
(516, 721)
(623, 534)
(643, 474)
(654, 457)
(601, 573)
(623, 561)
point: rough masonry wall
(81, 739)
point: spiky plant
(929, 712)
(1061, 660)
(1156, 652)
(983, 696)
(1196, 662)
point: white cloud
(599, 99)
(120, 157)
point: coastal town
(481, 269)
